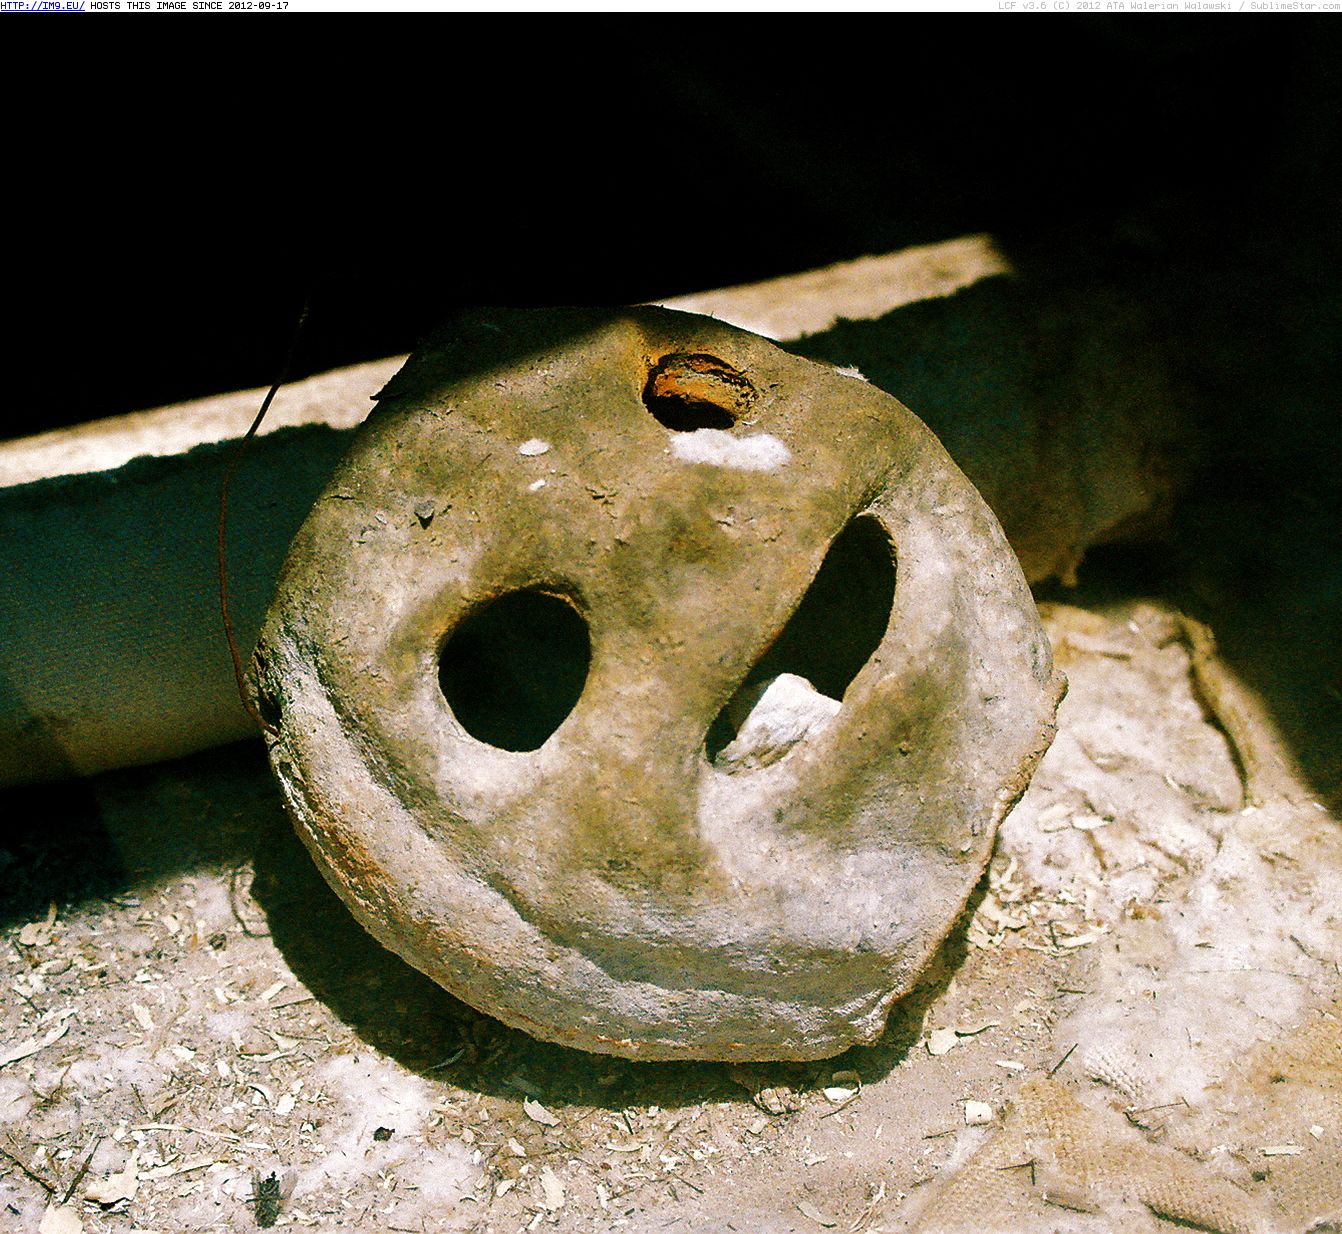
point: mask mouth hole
(514, 669)
(798, 684)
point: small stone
(978, 1114)
(843, 1087)
(942, 1041)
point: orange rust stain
(703, 380)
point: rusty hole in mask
(686, 391)
(799, 683)
(514, 669)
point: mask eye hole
(834, 631)
(687, 391)
(515, 668)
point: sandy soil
(189, 1010)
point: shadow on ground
(402, 1013)
(117, 836)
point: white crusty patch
(718, 448)
(771, 718)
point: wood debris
(552, 1190)
(25, 1049)
(807, 1209)
(775, 1099)
(943, 1040)
(875, 1198)
(538, 1113)
(61, 1219)
(1054, 924)
(38, 933)
(116, 1187)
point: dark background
(171, 204)
(170, 208)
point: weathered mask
(650, 688)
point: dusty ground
(187, 1009)
(228, 1016)
(1143, 1005)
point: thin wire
(235, 459)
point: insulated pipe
(1054, 402)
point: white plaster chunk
(771, 718)
(533, 447)
(718, 448)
